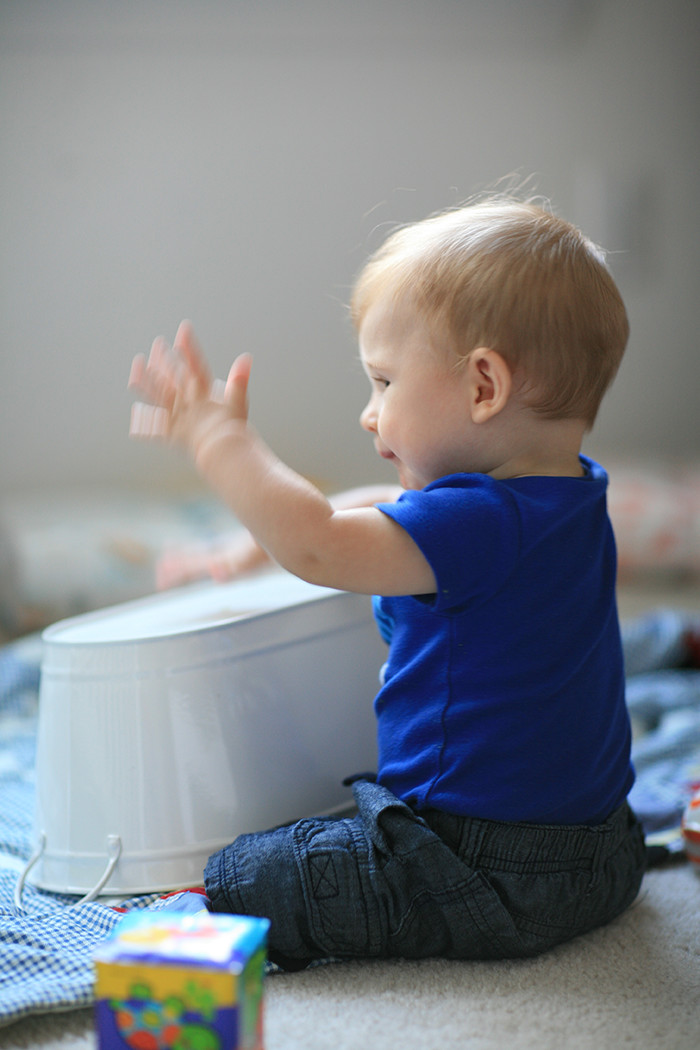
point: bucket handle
(25, 871)
(114, 849)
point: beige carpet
(633, 984)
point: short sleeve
(468, 528)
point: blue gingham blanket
(46, 949)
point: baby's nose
(368, 418)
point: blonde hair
(512, 276)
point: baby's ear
(490, 383)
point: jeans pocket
(549, 909)
(465, 919)
(338, 904)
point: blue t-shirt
(503, 695)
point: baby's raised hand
(183, 404)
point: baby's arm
(239, 553)
(358, 549)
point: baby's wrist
(218, 441)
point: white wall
(234, 162)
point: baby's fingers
(148, 421)
(155, 378)
(236, 393)
(188, 348)
(136, 375)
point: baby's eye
(380, 382)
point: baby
(498, 824)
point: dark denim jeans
(390, 882)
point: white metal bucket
(168, 726)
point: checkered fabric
(46, 950)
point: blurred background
(234, 162)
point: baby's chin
(407, 480)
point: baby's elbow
(308, 566)
(319, 568)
